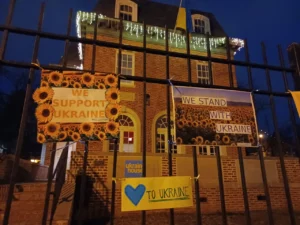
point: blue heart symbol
(135, 194)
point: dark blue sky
(272, 21)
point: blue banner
(133, 168)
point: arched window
(161, 135)
(201, 24)
(127, 135)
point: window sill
(127, 85)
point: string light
(155, 33)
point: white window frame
(210, 150)
(164, 131)
(200, 63)
(206, 22)
(126, 83)
(133, 5)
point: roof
(164, 15)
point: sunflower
(101, 135)
(75, 136)
(62, 135)
(96, 132)
(207, 142)
(41, 138)
(226, 139)
(65, 83)
(43, 94)
(112, 95)
(70, 132)
(194, 141)
(44, 84)
(101, 86)
(217, 137)
(52, 129)
(77, 85)
(87, 129)
(111, 80)
(44, 113)
(87, 79)
(72, 82)
(112, 127)
(179, 140)
(213, 143)
(180, 123)
(112, 111)
(55, 78)
(199, 140)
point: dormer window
(201, 24)
(126, 10)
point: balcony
(155, 36)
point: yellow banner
(296, 97)
(73, 105)
(156, 193)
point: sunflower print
(87, 79)
(112, 111)
(101, 86)
(52, 129)
(43, 94)
(77, 85)
(87, 129)
(44, 113)
(113, 95)
(55, 78)
(75, 136)
(101, 135)
(65, 83)
(44, 84)
(112, 128)
(111, 80)
(41, 138)
(62, 135)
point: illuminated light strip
(156, 33)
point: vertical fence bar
(94, 44)
(170, 139)
(144, 113)
(83, 184)
(188, 51)
(115, 157)
(266, 188)
(228, 52)
(49, 185)
(209, 59)
(9, 18)
(286, 87)
(247, 56)
(221, 186)
(244, 187)
(23, 121)
(278, 138)
(67, 44)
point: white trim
(130, 83)
(133, 5)
(205, 19)
(203, 64)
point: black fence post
(244, 186)
(221, 186)
(24, 117)
(49, 184)
(278, 138)
(144, 113)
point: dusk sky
(272, 21)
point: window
(206, 150)
(127, 65)
(162, 135)
(126, 9)
(127, 135)
(125, 12)
(201, 24)
(202, 73)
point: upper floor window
(126, 10)
(202, 73)
(201, 24)
(127, 65)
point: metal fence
(7, 28)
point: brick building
(100, 159)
